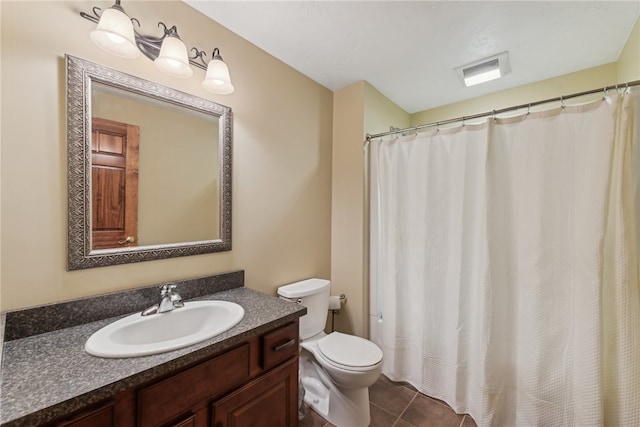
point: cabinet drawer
(279, 345)
(190, 421)
(168, 399)
(99, 417)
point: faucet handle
(167, 289)
(169, 298)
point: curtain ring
(605, 92)
(626, 88)
(562, 102)
(493, 114)
(528, 110)
(437, 126)
(462, 121)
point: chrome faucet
(169, 300)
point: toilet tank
(313, 294)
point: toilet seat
(349, 352)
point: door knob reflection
(129, 239)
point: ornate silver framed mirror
(148, 169)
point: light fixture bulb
(114, 33)
(217, 79)
(173, 59)
(116, 38)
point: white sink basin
(138, 335)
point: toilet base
(316, 395)
(341, 407)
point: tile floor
(400, 405)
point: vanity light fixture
(115, 34)
(484, 70)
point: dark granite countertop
(48, 375)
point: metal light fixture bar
(150, 46)
(116, 34)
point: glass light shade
(173, 59)
(114, 34)
(483, 77)
(217, 79)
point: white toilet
(337, 369)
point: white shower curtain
(506, 257)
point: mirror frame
(80, 76)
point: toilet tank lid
(302, 288)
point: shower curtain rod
(503, 110)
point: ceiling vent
(484, 70)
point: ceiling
(408, 49)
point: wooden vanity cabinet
(254, 384)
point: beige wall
(281, 157)
(358, 109)
(629, 60)
(346, 201)
(381, 113)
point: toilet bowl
(351, 362)
(336, 369)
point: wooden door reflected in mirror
(114, 182)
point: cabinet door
(269, 401)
